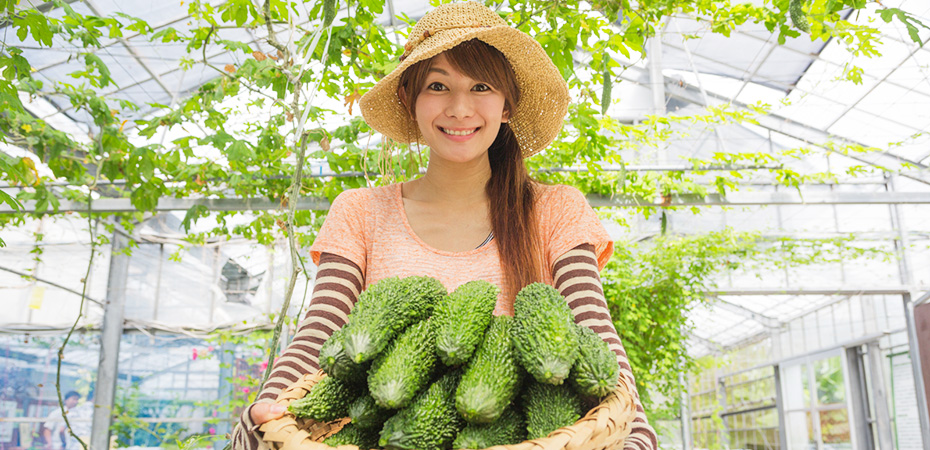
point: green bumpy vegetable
(607, 87)
(327, 401)
(548, 408)
(462, 318)
(352, 434)
(430, 423)
(336, 363)
(384, 310)
(404, 369)
(544, 333)
(329, 12)
(365, 413)
(796, 11)
(596, 370)
(492, 377)
(509, 428)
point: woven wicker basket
(604, 427)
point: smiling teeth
(459, 133)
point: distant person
(56, 434)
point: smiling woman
(483, 96)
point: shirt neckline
(399, 203)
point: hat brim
(537, 117)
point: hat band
(414, 41)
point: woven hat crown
(452, 16)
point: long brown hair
(510, 189)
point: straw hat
(537, 117)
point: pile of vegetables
(417, 368)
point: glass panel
(805, 386)
(830, 386)
(800, 433)
(794, 387)
(834, 429)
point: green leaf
(240, 151)
(11, 201)
(35, 23)
(195, 212)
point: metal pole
(685, 412)
(919, 388)
(880, 397)
(859, 418)
(901, 244)
(780, 408)
(110, 334)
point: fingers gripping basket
(604, 427)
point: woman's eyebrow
(434, 69)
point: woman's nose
(460, 105)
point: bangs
(482, 62)
(475, 59)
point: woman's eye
(435, 86)
(482, 87)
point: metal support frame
(879, 396)
(779, 124)
(859, 417)
(780, 408)
(108, 367)
(685, 412)
(919, 389)
(901, 245)
(765, 321)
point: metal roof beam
(813, 290)
(786, 87)
(765, 321)
(812, 56)
(782, 125)
(132, 51)
(716, 346)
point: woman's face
(459, 117)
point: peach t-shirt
(369, 227)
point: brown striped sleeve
(577, 279)
(335, 290)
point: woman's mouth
(451, 132)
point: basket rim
(286, 433)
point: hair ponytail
(513, 219)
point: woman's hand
(263, 412)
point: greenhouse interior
(762, 166)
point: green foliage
(651, 286)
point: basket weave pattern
(604, 427)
